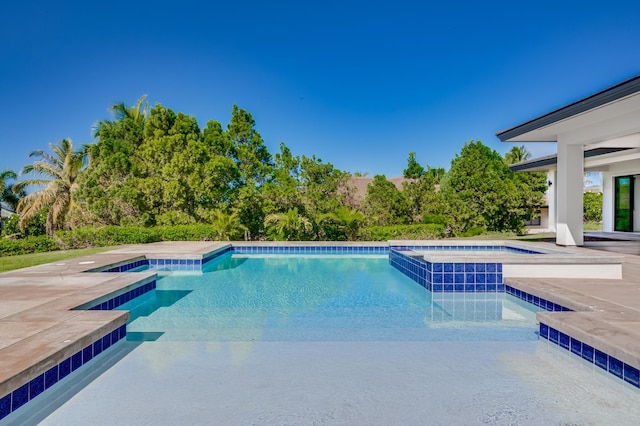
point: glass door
(624, 203)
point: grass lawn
(9, 263)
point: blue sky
(358, 83)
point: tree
(420, 194)
(384, 204)
(58, 174)
(413, 170)
(480, 179)
(7, 192)
(289, 226)
(136, 113)
(517, 154)
(249, 151)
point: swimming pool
(351, 333)
(318, 298)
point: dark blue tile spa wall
(620, 369)
(411, 267)
(449, 277)
(27, 392)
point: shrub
(473, 231)
(188, 233)
(404, 232)
(593, 206)
(107, 236)
(114, 235)
(438, 219)
(28, 245)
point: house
(599, 133)
(361, 183)
(5, 213)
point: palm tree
(289, 226)
(348, 221)
(137, 113)
(227, 226)
(57, 175)
(7, 194)
(517, 154)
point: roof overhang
(595, 159)
(608, 114)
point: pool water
(318, 298)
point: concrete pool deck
(39, 326)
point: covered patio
(598, 133)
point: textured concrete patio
(39, 326)
(607, 312)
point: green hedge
(405, 232)
(28, 245)
(115, 235)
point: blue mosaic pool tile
(631, 375)
(553, 335)
(51, 377)
(87, 354)
(602, 360)
(615, 367)
(587, 352)
(106, 342)
(5, 406)
(563, 340)
(76, 361)
(65, 369)
(36, 386)
(19, 397)
(544, 331)
(576, 346)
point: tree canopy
(154, 166)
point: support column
(569, 193)
(552, 200)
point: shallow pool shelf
(26, 392)
(618, 368)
